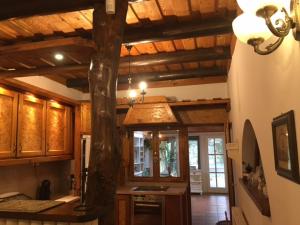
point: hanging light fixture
(263, 19)
(143, 86)
(132, 94)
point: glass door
(216, 165)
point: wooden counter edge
(61, 213)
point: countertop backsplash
(26, 178)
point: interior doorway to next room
(208, 177)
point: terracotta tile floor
(209, 209)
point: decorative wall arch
(254, 180)
(250, 148)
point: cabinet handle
(20, 148)
(147, 205)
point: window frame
(196, 138)
(182, 135)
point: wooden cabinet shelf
(260, 200)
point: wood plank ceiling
(176, 42)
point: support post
(105, 154)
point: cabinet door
(31, 126)
(123, 211)
(58, 129)
(86, 118)
(8, 123)
(174, 209)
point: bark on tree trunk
(105, 154)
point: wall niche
(253, 179)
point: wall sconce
(263, 19)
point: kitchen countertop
(174, 189)
(61, 213)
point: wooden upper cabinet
(86, 118)
(31, 126)
(58, 129)
(8, 123)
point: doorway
(207, 161)
(216, 164)
(208, 177)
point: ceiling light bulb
(59, 56)
(143, 85)
(248, 26)
(132, 94)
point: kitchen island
(62, 214)
(150, 203)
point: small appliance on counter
(44, 191)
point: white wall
(261, 88)
(53, 86)
(194, 92)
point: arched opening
(250, 149)
(254, 180)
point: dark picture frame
(285, 146)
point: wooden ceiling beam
(133, 35)
(205, 54)
(20, 8)
(188, 29)
(202, 54)
(173, 75)
(55, 43)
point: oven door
(148, 211)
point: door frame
(203, 139)
(204, 146)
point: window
(194, 153)
(216, 161)
(155, 154)
(169, 153)
(143, 163)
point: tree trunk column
(105, 155)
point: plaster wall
(53, 86)
(261, 88)
(193, 92)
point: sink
(151, 188)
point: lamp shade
(251, 6)
(248, 26)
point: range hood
(150, 114)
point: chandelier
(132, 94)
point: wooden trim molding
(33, 160)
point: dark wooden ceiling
(176, 42)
